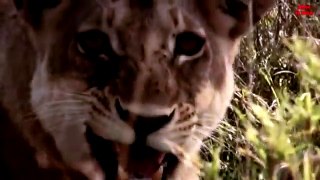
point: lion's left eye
(188, 44)
(94, 44)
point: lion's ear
(32, 10)
(215, 12)
(260, 8)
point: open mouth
(123, 113)
(143, 162)
(104, 153)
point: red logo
(307, 10)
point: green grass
(272, 129)
(276, 137)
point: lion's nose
(146, 125)
(143, 125)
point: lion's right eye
(234, 8)
(94, 44)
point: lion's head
(152, 76)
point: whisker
(57, 127)
(61, 103)
(182, 155)
(54, 102)
(197, 137)
(64, 114)
(201, 142)
(94, 101)
(193, 138)
(209, 123)
(62, 109)
(29, 115)
(62, 120)
(207, 115)
(85, 96)
(57, 113)
(71, 94)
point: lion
(110, 88)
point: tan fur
(67, 91)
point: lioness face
(153, 76)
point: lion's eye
(188, 43)
(234, 8)
(94, 44)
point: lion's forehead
(126, 20)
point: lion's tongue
(144, 161)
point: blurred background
(272, 130)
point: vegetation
(272, 129)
